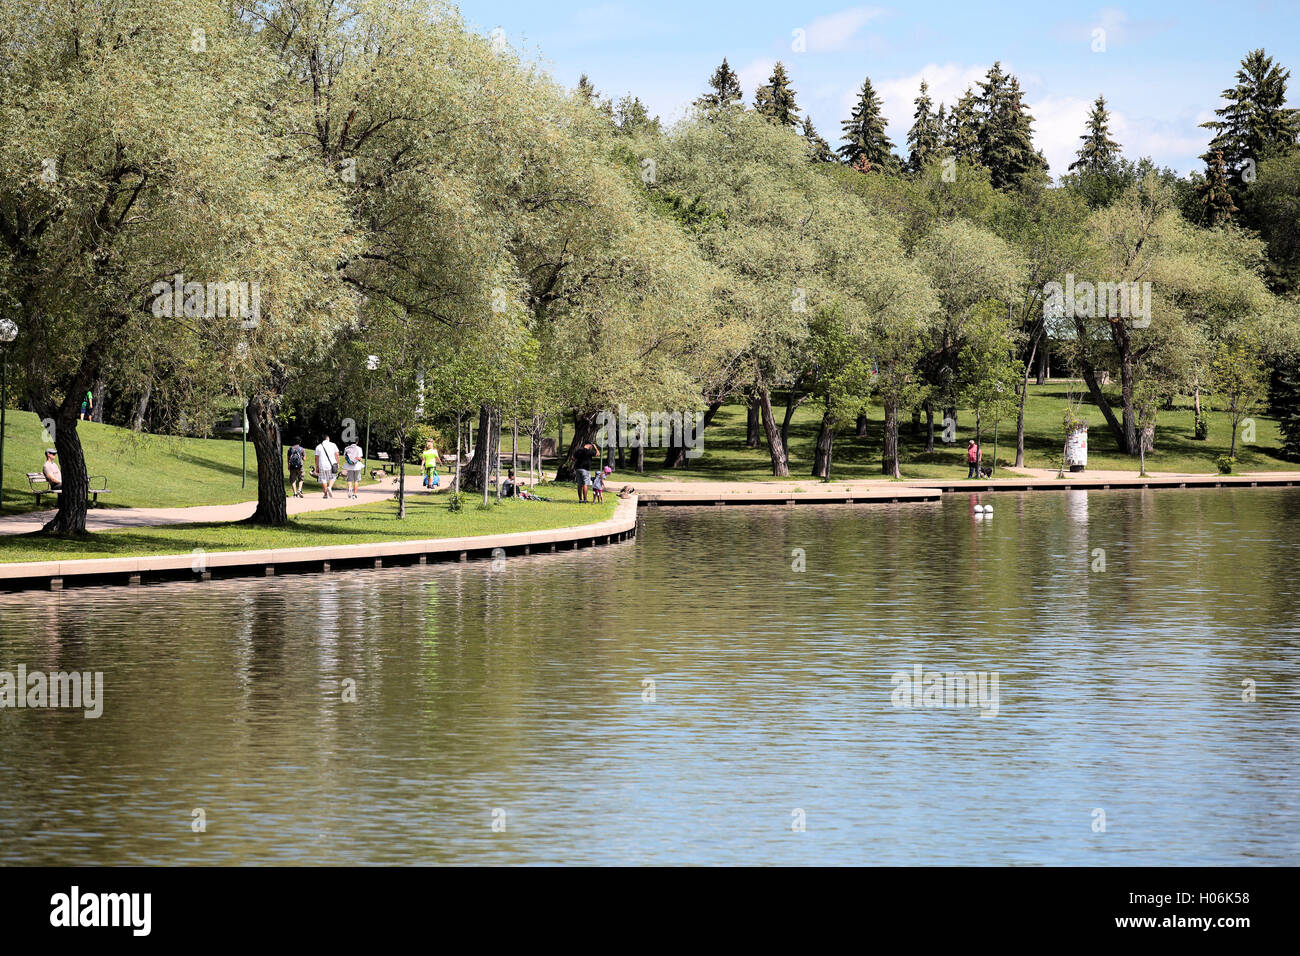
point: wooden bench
(386, 461)
(35, 478)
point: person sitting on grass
(51, 470)
(510, 487)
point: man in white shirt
(327, 465)
(352, 465)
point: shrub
(416, 438)
(1202, 428)
(1225, 464)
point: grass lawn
(376, 521)
(726, 456)
(144, 471)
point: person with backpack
(297, 458)
(352, 465)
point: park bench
(386, 461)
(35, 478)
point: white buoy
(988, 509)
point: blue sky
(1161, 66)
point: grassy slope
(427, 517)
(727, 457)
(144, 471)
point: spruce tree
(1215, 197)
(1006, 144)
(775, 99)
(1284, 404)
(818, 148)
(1255, 121)
(961, 135)
(1099, 153)
(923, 139)
(725, 86)
(866, 146)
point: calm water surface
(517, 695)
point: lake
(734, 686)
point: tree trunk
(478, 473)
(791, 403)
(676, 457)
(780, 464)
(584, 431)
(455, 484)
(860, 426)
(1196, 396)
(401, 473)
(1127, 376)
(1020, 411)
(825, 445)
(1040, 376)
(1099, 399)
(269, 450)
(142, 407)
(929, 426)
(97, 413)
(889, 456)
(70, 519)
(753, 429)
(916, 422)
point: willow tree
(134, 155)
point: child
(429, 460)
(598, 484)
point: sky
(1161, 66)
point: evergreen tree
(1099, 153)
(923, 139)
(1217, 206)
(775, 99)
(590, 95)
(1256, 120)
(632, 117)
(866, 146)
(1284, 404)
(725, 86)
(961, 135)
(820, 149)
(1005, 136)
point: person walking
(429, 460)
(582, 460)
(972, 459)
(297, 460)
(352, 466)
(327, 465)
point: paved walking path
(111, 519)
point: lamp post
(372, 363)
(8, 332)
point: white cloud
(837, 32)
(1059, 121)
(753, 75)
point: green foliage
(1225, 464)
(866, 145)
(774, 100)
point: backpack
(295, 457)
(349, 460)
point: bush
(1202, 428)
(416, 438)
(1225, 464)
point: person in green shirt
(429, 460)
(88, 406)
